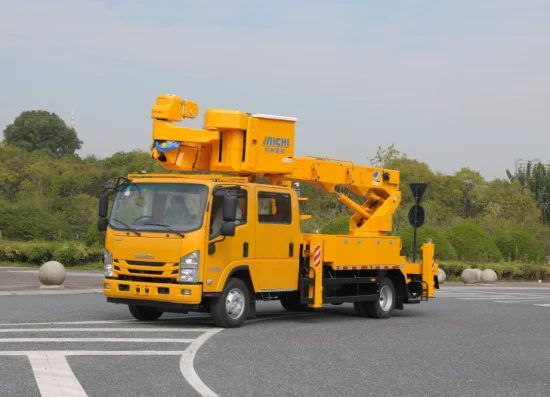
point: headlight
(189, 268)
(107, 263)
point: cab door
(277, 239)
(231, 251)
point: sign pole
(415, 223)
(416, 213)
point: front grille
(148, 279)
(142, 263)
(146, 271)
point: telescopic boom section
(233, 142)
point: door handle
(245, 250)
(291, 250)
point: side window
(216, 218)
(274, 208)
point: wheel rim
(386, 298)
(234, 303)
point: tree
(386, 156)
(537, 178)
(38, 129)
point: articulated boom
(263, 146)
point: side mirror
(103, 205)
(227, 229)
(102, 224)
(110, 181)
(230, 204)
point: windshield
(159, 207)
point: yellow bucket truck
(226, 233)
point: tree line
(50, 193)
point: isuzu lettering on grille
(144, 256)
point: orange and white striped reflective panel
(317, 256)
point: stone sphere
(52, 273)
(468, 276)
(488, 276)
(441, 276)
(477, 272)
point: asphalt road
(470, 341)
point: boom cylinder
(352, 205)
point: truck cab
(173, 243)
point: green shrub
(70, 254)
(453, 270)
(472, 244)
(443, 249)
(37, 253)
(518, 245)
(338, 226)
(11, 252)
(94, 237)
(95, 254)
(505, 271)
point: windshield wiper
(165, 226)
(129, 227)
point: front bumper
(189, 294)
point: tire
(230, 310)
(384, 306)
(144, 313)
(360, 309)
(291, 302)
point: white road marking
(95, 353)
(518, 301)
(52, 292)
(186, 364)
(476, 287)
(487, 298)
(77, 273)
(54, 376)
(118, 340)
(166, 321)
(128, 329)
(503, 295)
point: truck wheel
(144, 313)
(360, 309)
(383, 307)
(231, 308)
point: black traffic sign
(418, 190)
(417, 216)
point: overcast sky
(462, 83)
